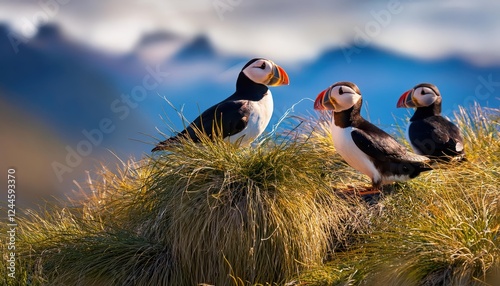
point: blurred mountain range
(55, 92)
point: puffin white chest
(345, 146)
(260, 115)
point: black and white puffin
(428, 132)
(244, 115)
(364, 146)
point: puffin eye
(422, 92)
(263, 65)
(341, 91)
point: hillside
(272, 214)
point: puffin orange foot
(360, 191)
(368, 191)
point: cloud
(279, 29)
(458, 28)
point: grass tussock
(271, 214)
(446, 236)
(260, 214)
(198, 213)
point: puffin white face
(424, 96)
(338, 97)
(266, 72)
(420, 96)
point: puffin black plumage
(364, 146)
(428, 132)
(244, 115)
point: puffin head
(338, 97)
(265, 72)
(421, 95)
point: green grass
(271, 214)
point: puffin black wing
(436, 136)
(389, 157)
(381, 147)
(225, 119)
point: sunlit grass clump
(198, 213)
(271, 214)
(444, 235)
(248, 215)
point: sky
(286, 32)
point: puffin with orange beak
(364, 146)
(244, 115)
(428, 132)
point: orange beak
(324, 101)
(406, 100)
(318, 103)
(280, 77)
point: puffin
(244, 115)
(429, 133)
(364, 146)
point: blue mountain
(199, 48)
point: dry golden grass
(271, 214)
